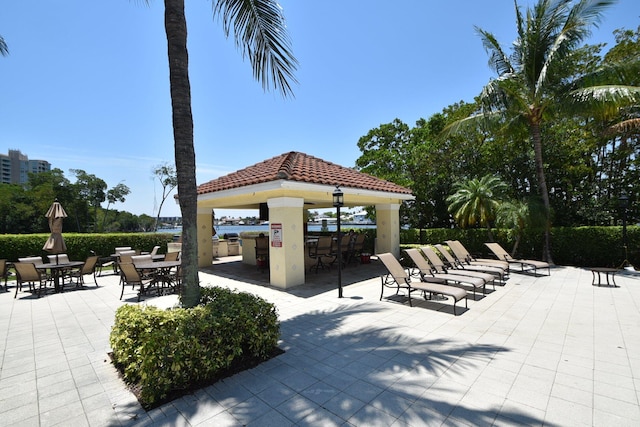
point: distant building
(15, 167)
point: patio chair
(463, 255)
(172, 256)
(453, 263)
(61, 259)
(126, 257)
(427, 273)
(34, 259)
(4, 272)
(344, 242)
(58, 258)
(154, 251)
(321, 249)
(398, 278)
(356, 247)
(143, 259)
(27, 272)
(525, 264)
(89, 267)
(130, 276)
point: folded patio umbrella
(55, 243)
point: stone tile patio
(552, 351)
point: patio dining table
(160, 271)
(56, 270)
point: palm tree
(4, 50)
(260, 31)
(475, 201)
(517, 215)
(533, 83)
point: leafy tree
(91, 189)
(115, 194)
(259, 29)
(533, 83)
(475, 201)
(166, 174)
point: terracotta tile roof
(296, 166)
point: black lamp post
(623, 202)
(338, 201)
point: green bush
(164, 352)
(80, 245)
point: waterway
(222, 229)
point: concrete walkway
(552, 351)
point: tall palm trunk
(176, 29)
(534, 128)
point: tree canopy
(589, 157)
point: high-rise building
(15, 167)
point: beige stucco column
(388, 228)
(205, 230)
(286, 240)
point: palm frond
(605, 100)
(498, 60)
(471, 122)
(631, 125)
(260, 32)
(609, 73)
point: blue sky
(86, 83)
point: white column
(388, 228)
(286, 251)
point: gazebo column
(286, 262)
(205, 231)
(388, 228)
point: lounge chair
(463, 255)
(525, 264)
(397, 277)
(452, 263)
(440, 267)
(427, 273)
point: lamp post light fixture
(338, 201)
(623, 202)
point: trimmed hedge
(162, 352)
(576, 246)
(80, 245)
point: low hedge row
(164, 352)
(80, 245)
(576, 246)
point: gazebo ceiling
(297, 175)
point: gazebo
(286, 186)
